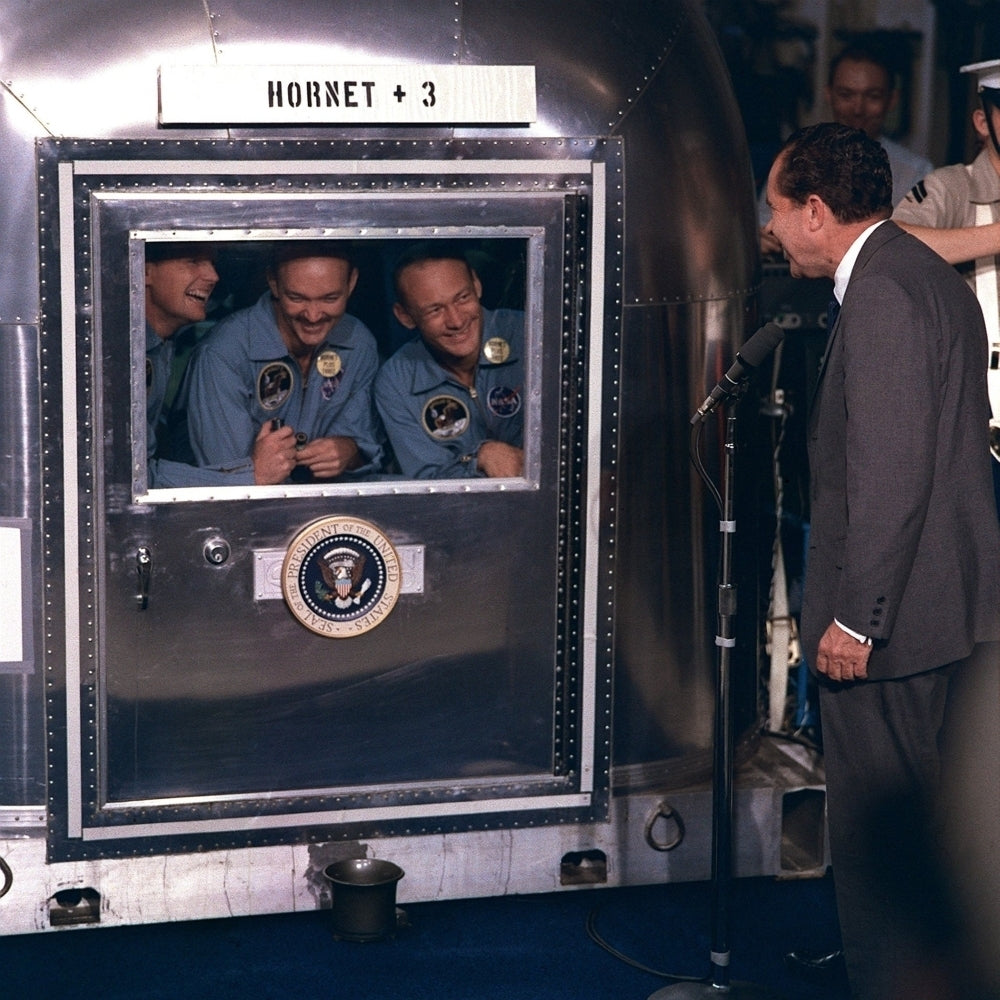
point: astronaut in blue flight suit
(282, 390)
(451, 399)
(179, 280)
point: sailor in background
(956, 211)
(861, 91)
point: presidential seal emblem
(341, 576)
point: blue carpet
(509, 948)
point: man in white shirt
(899, 612)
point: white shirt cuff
(854, 635)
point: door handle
(144, 570)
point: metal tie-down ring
(8, 877)
(665, 811)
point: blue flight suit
(164, 473)
(159, 359)
(435, 424)
(242, 375)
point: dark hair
(846, 168)
(161, 250)
(989, 96)
(424, 251)
(869, 51)
(289, 250)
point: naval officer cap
(987, 79)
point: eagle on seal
(343, 572)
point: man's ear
(980, 124)
(403, 316)
(817, 211)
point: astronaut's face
(310, 297)
(440, 298)
(177, 292)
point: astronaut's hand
(499, 460)
(273, 454)
(329, 457)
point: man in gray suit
(901, 610)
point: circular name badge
(497, 350)
(328, 364)
(340, 577)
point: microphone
(750, 355)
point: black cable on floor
(594, 936)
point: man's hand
(273, 455)
(500, 461)
(328, 457)
(841, 657)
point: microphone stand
(722, 769)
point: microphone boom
(749, 357)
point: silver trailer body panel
(475, 696)
(547, 670)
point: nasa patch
(504, 402)
(330, 386)
(340, 577)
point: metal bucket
(364, 898)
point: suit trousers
(892, 750)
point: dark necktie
(832, 312)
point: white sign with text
(347, 95)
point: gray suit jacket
(904, 542)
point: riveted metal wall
(677, 293)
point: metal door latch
(216, 551)
(144, 570)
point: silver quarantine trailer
(212, 689)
